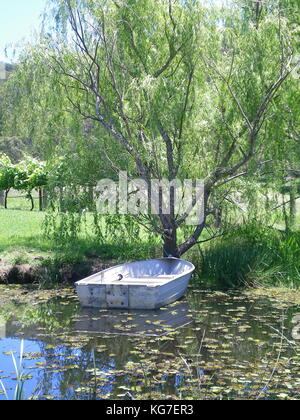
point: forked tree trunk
(170, 243)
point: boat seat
(145, 280)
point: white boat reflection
(136, 323)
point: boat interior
(148, 273)
(139, 281)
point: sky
(18, 21)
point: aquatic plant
(19, 371)
(253, 255)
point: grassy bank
(22, 240)
(251, 255)
(26, 254)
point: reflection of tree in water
(224, 342)
(57, 377)
(63, 375)
(50, 316)
(127, 361)
(240, 345)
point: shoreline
(50, 273)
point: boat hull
(146, 285)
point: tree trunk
(40, 200)
(218, 218)
(32, 201)
(5, 198)
(2, 198)
(90, 198)
(61, 200)
(286, 217)
(170, 243)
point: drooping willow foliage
(162, 89)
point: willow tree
(282, 134)
(283, 170)
(179, 89)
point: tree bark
(40, 199)
(286, 217)
(61, 200)
(5, 199)
(2, 198)
(170, 243)
(91, 198)
(218, 218)
(32, 201)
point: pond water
(211, 345)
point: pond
(211, 345)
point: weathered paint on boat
(147, 284)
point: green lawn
(22, 240)
(21, 232)
(16, 224)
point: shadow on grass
(76, 250)
(49, 262)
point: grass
(252, 255)
(15, 225)
(21, 233)
(21, 237)
(22, 241)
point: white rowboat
(147, 284)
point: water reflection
(2, 327)
(212, 345)
(139, 323)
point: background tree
(26, 176)
(7, 176)
(30, 175)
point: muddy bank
(51, 272)
(17, 274)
